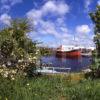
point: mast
(74, 40)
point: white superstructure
(67, 48)
(72, 47)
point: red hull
(70, 54)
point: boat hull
(68, 54)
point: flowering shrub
(22, 68)
(8, 73)
(18, 53)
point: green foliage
(16, 47)
(48, 88)
(45, 51)
(95, 16)
(7, 48)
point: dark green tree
(95, 17)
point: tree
(14, 44)
(95, 17)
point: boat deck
(53, 70)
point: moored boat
(68, 52)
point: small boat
(46, 70)
(53, 70)
(68, 52)
(86, 54)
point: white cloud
(5, 8)
(87, 4)
(60, 20)
(98, 2)
(83, 29)
(7, 4)
(4, 1)
(84, 35)
(56, 7)
(48, 7)
(49, 27)
(11, 2)
(81, 40)
(57, 29)
(5, 19)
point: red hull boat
(68, 52)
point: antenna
(74, 40)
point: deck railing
(54, 70)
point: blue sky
(54, 22)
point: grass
(49, 88)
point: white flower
(29, 58)
(9, 63)
(1, 70)
(25, 74)
(3, 65)
(27, 84)
(20, 60)
(6, 72)
(38, 50)
(13, 71)
(12, 78)
(36, 53)
(34, 58)
(23, 66)
(5, 75)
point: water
(76, 65)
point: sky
(54, 22)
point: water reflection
(75, 64)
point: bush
(17, 51)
